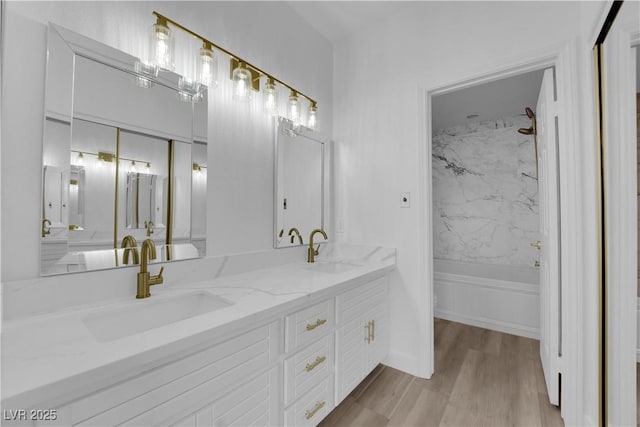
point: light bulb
(313, 116)
(294, 108)
(270, 96)
(207, 66)
(241, 82)
(161, 45)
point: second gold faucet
(311, 253)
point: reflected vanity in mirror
(121, 141)
(301, 183)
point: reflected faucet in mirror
(311, 255)
(149, 226)
(129, 244)
(146, 280)
(293, 231)
(46, 224)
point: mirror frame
(283, 124)
(81, 46)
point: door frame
(564, 60)
(620, 223)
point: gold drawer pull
(368, 328)
(318, 361)
(311, 413)
(319, 322)
(373, 330)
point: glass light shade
(270, 93)
(143, 69)
(241, 82)
(294, 108)
(161, 46)
(313, 116)
(207, 67)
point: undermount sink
(332, 267)
(149, 314)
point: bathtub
(497, 297)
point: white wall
(240, 162)
(379, 75)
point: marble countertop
(56, 355)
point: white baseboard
(499, 305)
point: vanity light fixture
(207, 66)
(245, 76)
(141, 69)
(241, 77)
(313, 116)
(294, 108)
(270, 93)
(162, 44)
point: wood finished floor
(482, 378)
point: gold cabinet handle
(319, 360)
(311, 413)
(319, 322)
(373, 330)
(537, 244)
(368, 328)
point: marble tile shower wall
(485, 195)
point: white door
(549, 236)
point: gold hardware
(129, 244)
(255, 71)
(73, 182)
(170, 192)
(106, 157)
(74, 227)
(145, 280)
(373, 330)
(281, 232)
(319, 360)
(295, 230)
(197, 167)
(149, 226)
(311, 413)
(537, 244)
(46, 228)
(536, 264)
(311, 253)
(319, 322)
(368, 328)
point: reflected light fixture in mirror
(207, 66)
(270, 96)
(294, 108)
(162, 45)
(241, 82)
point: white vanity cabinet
(362, 335)
(291, 371)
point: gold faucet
(129, 245)
(311, 254)
(149, 226)
(295, 230)
(45, 228)
(145, 280)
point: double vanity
(273, 346)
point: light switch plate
(405, 200)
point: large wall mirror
(302, 172)
(124, 154)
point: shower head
(526, 131)
(529, 112)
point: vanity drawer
(210, 372)
(308, 325)
(307, 368)
(356, 302)
(311, 408)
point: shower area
(486, 218)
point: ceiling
(505, 97)
(338, 19)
